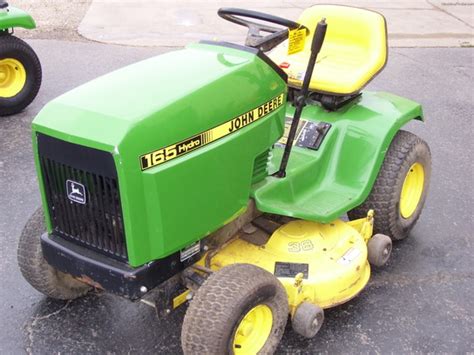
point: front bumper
(106, 273)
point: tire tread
(39, 274)
(385, 194)
(218, 299)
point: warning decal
(296, 40)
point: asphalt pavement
(422, 301)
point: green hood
(141, 109)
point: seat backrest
(350, 27)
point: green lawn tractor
(20, 68)
(220, 176)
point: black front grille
(94, 220)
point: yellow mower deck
(325, 264)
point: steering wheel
(254, 38)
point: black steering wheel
(254, 38)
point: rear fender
(323, 184)
(14, 17)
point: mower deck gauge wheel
(308, 319)
(379, 249)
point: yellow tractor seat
(353, 52)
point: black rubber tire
(13, 47)
(221, 303)
(308, 319)
(379, 249)
(405, 149)
(37, 271)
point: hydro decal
(176, 150)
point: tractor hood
(209, 82)
(189, 131)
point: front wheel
(34, 268)
(20, 75)
(240, 309)
(400, 191)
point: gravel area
(55, 19)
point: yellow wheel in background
(12, 77)
(412, 190)
(20, 75)
(253, 331)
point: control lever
(300, 101)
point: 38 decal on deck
(176, 150)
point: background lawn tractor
(20, 68)
(219, 176)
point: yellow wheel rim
(12, 77)
(412, 190)
(253, 331)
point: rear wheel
(20, 75)
(240, 309)
(400, 191)
(37, 271)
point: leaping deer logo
(76, 192)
